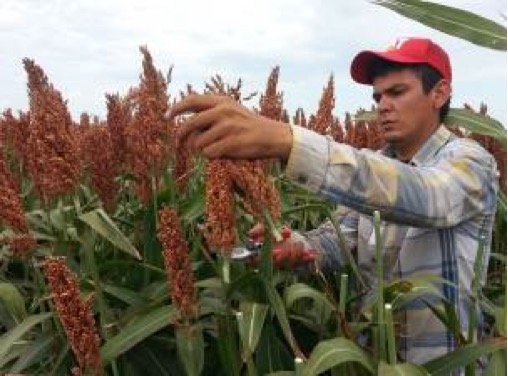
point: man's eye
(376, 97)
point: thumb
(257, 231)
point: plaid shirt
(434, 210)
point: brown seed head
(75, 314)
(177, 262)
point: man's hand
(223, 128)
(288, 253)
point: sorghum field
(115, 248)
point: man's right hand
(288, 253)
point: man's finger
(307, 256)
(257, 231)
(194, 103)
(210, 136)
(198, 122)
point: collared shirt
(434, 210)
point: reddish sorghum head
(11, 213)
(75, 314)
(100, 160)
(119, 117)
(147, 138)
(14, 133)
(271, 102)
(220, 206)
(324, 116)
(52, 153)
(177, 263)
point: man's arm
(461, 183)
(325, 240)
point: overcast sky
(89, 48)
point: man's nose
(384, 104)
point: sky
(90, 48)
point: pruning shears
(253, 246)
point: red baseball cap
(410, 50)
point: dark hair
(428, 76)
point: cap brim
(360, 66)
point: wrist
(284, 142)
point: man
(436, 192)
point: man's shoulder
(465, 146)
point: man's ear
(441, 92)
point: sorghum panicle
(11, 212)
(52, 154)
(336, 131)
(324, 116)
(257, 190)
(75, 314)
(220, 206)
(299, 118)
(100, 160)
(14, 133)
(119, 116)
(271, 102)
(177, 262)
(147, 138)
(182, 165)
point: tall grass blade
(453, 21)
(403, 369)
(7, 340)
(104, 225)
(331, 353)
(191, 348)
(136, 331)
(12, 300)
(278, 307)
(477, 123)
(34, 353)
(251, 326)
(463, 356)
(380, 329)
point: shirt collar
(429, 148)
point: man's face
(405, 112)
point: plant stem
(299, 366)
(380, 282)
(390, 335)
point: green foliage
(453, 21)
(249, 320)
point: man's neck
(404, 152)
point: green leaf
(453, 21)
(57, 217)
(12, 300)
(331, 353)
(278, 307)
(253, 316)
(465, 355)
(477, 123)
(191, 348)
(136, 331)
(227, 344)
(34, 353)
(403, 369)
(104, 225)
(8, 339)
(497, 364)
(301, 290)
(420, 285)
(128, 296)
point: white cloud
(90, 48)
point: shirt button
(302, 179)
